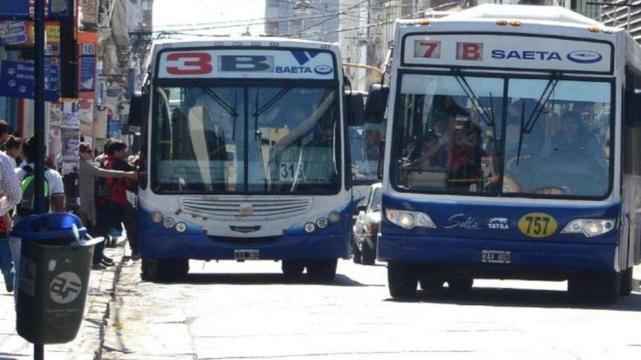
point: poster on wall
(20, 33)
(24, 9)
(18, 79)
(87, 51)
(70, 134)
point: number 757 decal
(538, 225)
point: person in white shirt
(52, 177)
(10, 195)
(56, 200)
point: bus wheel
(293, 268)
(627, 282)
(460, 283)
(601, 288)
(431, 283)
(322, 270)
(164, 270)
(402, 280)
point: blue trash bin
(53, 276)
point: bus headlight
(409, 219)
(181, 227)
(309, 227)
(169, 223)
(589, 227)
(334, 217)
(156, 217)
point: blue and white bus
(244, 156)
(513, 152)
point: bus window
(558, 138)
(447, 131)
(287, 141)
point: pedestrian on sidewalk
(12, 147)
(88, 172)
(118, 205)
(104, 217)
(54, 193)
(5, 132)
(10, 196)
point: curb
(115, 252)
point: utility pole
(39, 109)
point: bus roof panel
(528, 13)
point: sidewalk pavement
(88, 343)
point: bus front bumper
(162, 245)
(517, 259)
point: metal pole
(39, 105)
(39, 122)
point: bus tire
(292, 268)
(164, 270)
(460, 283)
(627, 282)
(430, 283)
(402, 280)
(322, 271)
(599, 288)
(368, 255)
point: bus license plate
(242, 255)
(496, 257)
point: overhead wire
(258, 21)
(194, 32)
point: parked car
(365, 229)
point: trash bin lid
(49, 226)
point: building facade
(305, 19)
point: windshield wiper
(527, 127)
(228, 108)
(488, 118)
(269, 103)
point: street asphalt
(230, 310)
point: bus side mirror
(136, 109)
(354, 108)
(376, 104)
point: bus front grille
(244, 209)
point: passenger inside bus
(433, 152)
(573, 140)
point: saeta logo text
(526, 55)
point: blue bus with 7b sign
(244, 156)
(514, 152)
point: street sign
(24, 9)
(17, 79)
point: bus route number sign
(538, 225)
(427, 49)
(289, 171)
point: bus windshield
(448, 136)
(246, 139)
